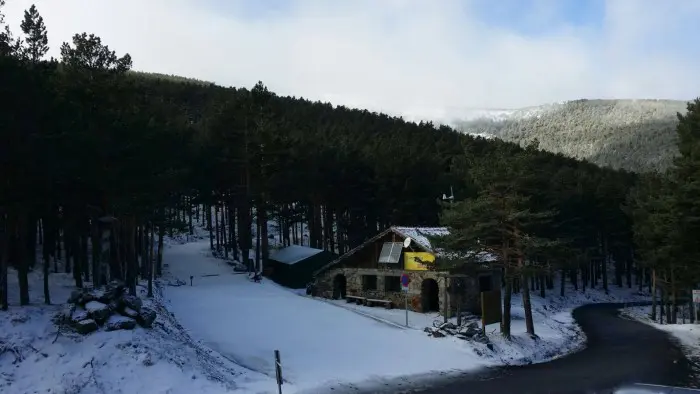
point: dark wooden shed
(293, 266)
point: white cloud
(422, 57)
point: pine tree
(653, 209)
(666, 215)
(8, 45)
(36, 38)
(501, 220)
(88, 53)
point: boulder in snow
(116, 322)
(115, 289)
(87, 308)
(146, 317)
(86, 326)
(64, 315)
(80, 297)
(113, 306)
(79, 315)
(128, 312)
(98, 311)
(133, 302)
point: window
(392, 283)
(369, 282)
(391, 252)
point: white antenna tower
(451, 198)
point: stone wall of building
(467, 295)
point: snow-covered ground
(219, 335)
(554, 325)
(35, 359)
(321, 345)
(335, 345)
(687, 334)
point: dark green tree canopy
(88, 53)
(36, 38)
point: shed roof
(294, 253)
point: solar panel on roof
(391, 253)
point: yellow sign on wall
(418, 261)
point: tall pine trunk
(224, 237)
(604, 263)
(46, 228)
(674, 305)
(543, 285)
(258, 229)
(96, 247)
(188, 204)
(161, 235)
(507, 296)
(58, 237)
(628, 271)
(150, 257)
(562, 286)
(22, 260)
(210, 228)
(132, 261)
(653, 294)
(527, 306)
(245, 238)
(232, 229)
(4, 246)
(264, 240)
(217, 227)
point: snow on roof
(294, 254)
(420, 235)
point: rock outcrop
(110, 307)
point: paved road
(619, 351)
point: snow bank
(687, 334)
(554, 324)
(35, 358)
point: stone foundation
(353, 286)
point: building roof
(420, 240)
(294, 254)
(419, 237)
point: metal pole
(278, 371)
(406, 299)
(444, 301)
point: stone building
(373, 270)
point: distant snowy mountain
(638, 135)
(454, 117)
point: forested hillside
(166, 77)
(637, 135)
(85, 142)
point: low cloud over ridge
(418, 58)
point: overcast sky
(422, 58)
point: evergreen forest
(85, 142)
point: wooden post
(278, 371)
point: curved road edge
(618, 352)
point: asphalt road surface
(619, 351)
